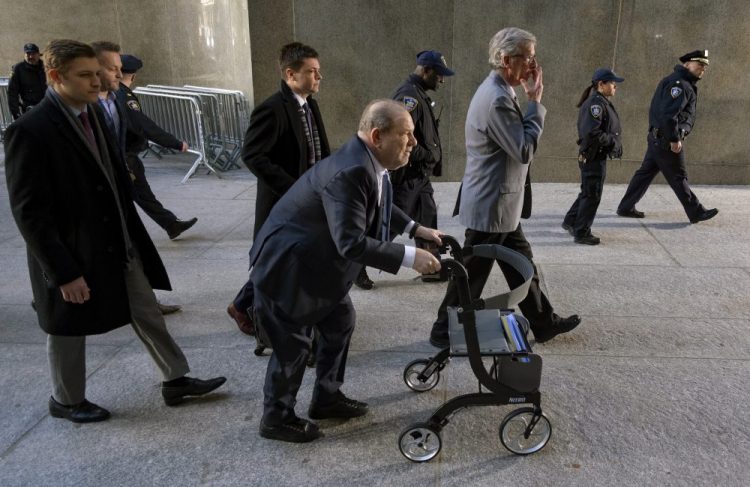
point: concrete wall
(199, 42)
(367, 47)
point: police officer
(27, 82)
(671, 118)
(599, 136)
(141, 129)
(412, 190)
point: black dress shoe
(342, 407)
(83, 412)
(175, 229)
(363, 281)
(631, 213)
(244, 321)
(296, 431)
(439, 338)
(705, 215)
(587, 240)
(168, 309)
(561, 325)
(568, 228)
(175, 391)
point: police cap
(30, 47)
(434, 60)
(700, 55)
(130, 63)
(605, 74)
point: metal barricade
(213, 125)
(5, 117)
(182, 116)
(236, 112)
(232, 119)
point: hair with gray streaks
(380, 114)
(508, 42)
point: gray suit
(500, 145)
(495, 194)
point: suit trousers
(535, 307)
(67, 354)
(145, 198)
(583, 211)
(415, 197)
(660, 158)
(291, 344)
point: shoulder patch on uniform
(134, 105)
(596, 111)
(410, 103)
(675, 91)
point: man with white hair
(496, 191)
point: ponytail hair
(585, 94)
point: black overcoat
(275, 148)
(67, 213)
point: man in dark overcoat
(285, 138)
(92, 265)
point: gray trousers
(67, 354)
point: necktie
(88, 131)
(385, 208)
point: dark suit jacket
(275, 148)
(321, 233)
(67, 213)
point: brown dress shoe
(244, 321)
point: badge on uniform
(133, 105)
(410, 103)
(596, 111)
(676, 91)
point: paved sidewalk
(652, 389)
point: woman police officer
(600, 136)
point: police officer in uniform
(412, 190)
(599, 136)
(671, 119)
(28, 82)
(141, 129)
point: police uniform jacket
(67, 212)
(28, 82)
(599, 129)
(672, 112)
(275, 147)
(426, 157)
(141, 128)
(320, 234)
(500, 145)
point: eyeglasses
(530, 60)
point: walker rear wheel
(412, 380)
(420, 442)
(523, 432)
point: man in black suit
(130, 135)
(92, 265)
(335, 219)
(285, 138)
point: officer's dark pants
(415, 197)
(291, 344)
(582, 212)
(535, 307)
(660, 158)
(145, 198)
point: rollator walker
(487, 331)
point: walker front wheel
(412, 380)
(524, 432)
(420, 442)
